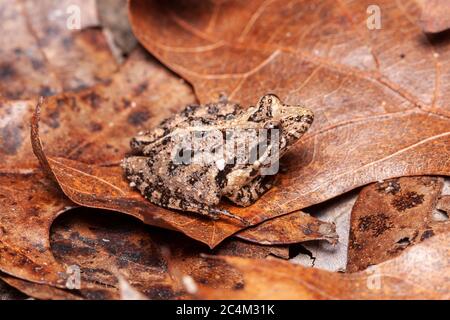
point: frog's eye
(269, 99)
(265, 108)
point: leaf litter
(362, 94)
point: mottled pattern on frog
(198, 187)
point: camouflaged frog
(193, 175)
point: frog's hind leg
(221, 212)
(215, 213)
(251, 192)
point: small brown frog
(206, 152)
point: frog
(169, 173)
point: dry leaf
(390, 216)
(42, 53)
(324, 255)
(113, 17)
(421, 272)
(291, 228)
(9, 293)
(380, 96)
(101, 246)
(39, 291)
(151, 260)
(435, 15)
(29, 202)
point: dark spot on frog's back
(212, 109)
(141, 88)
(93, 99)
(37, 64)
(51, 30)
(67, 43)
(190, 109)
(171, 167)
(126, 103)
(95, 126)
(221, 178)
(46, 91)
(7, 71)
(69, 101)
(138, 117)
(166, 140)
(10, 139)
(427, 234)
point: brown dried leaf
(40, 55)
(29, 202)
(390, 216)
(113, 17)
(39, 291)
(421, 272)
(435, 15)
(380, 96)
(240, 248)
(151, 260)
(9, 293)
(102, 246)
(291, 228)
(324, 255)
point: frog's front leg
(251, 192)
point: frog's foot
(220, 212)
(248, 194)
(214, 213)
